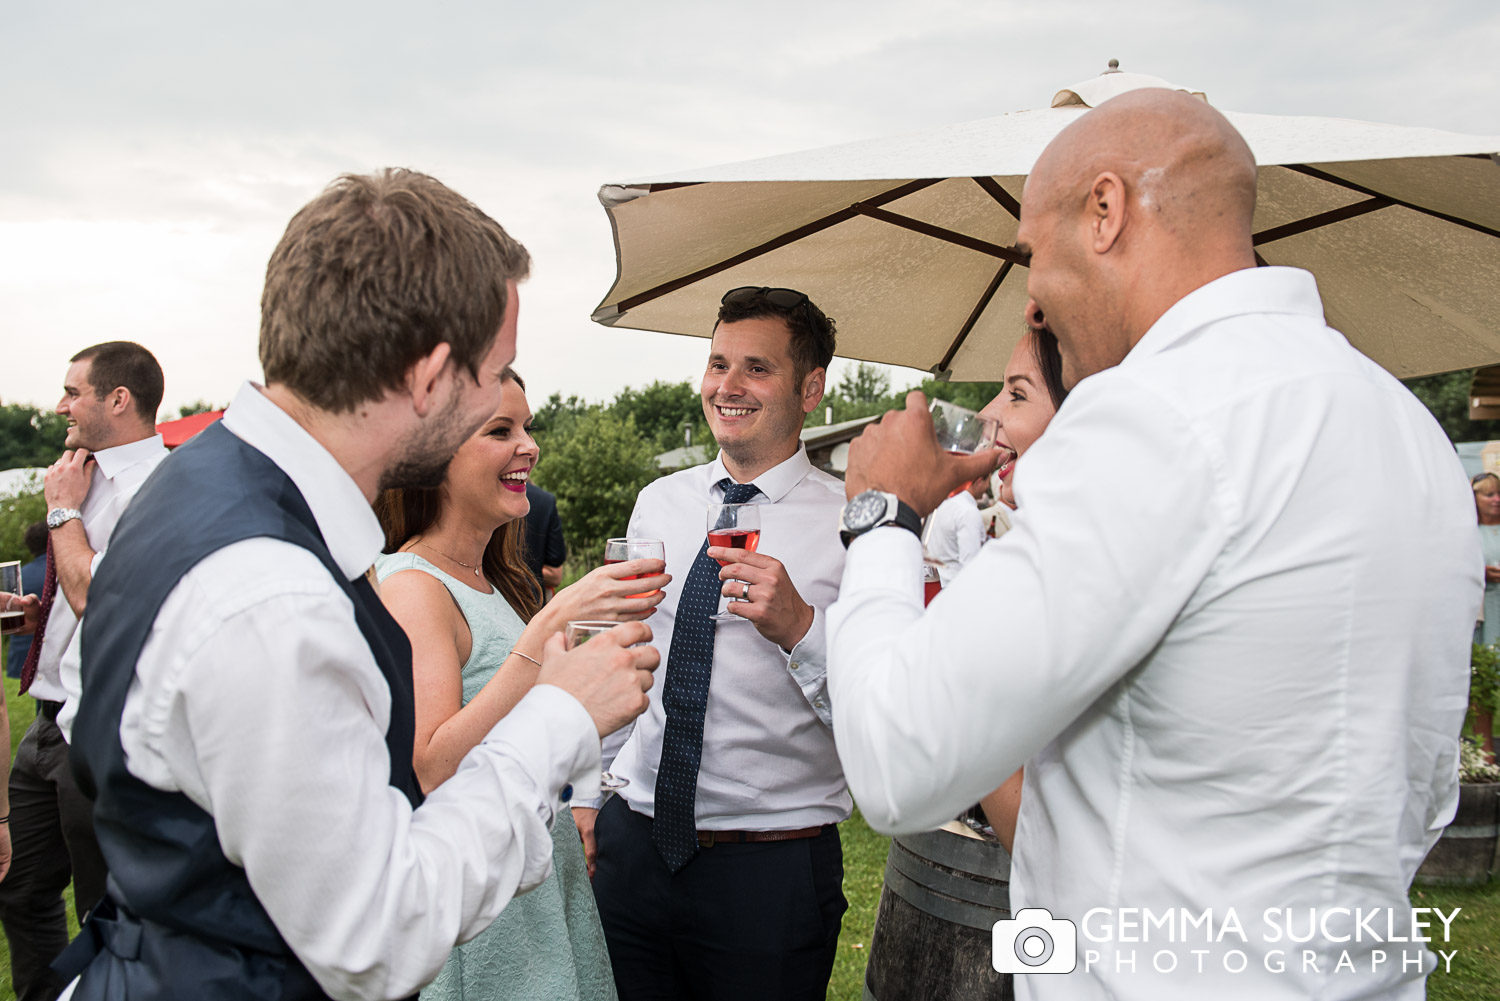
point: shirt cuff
(555, 739)
(808, 666)
(888, 559)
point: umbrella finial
(1114, 67)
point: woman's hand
(605, 594)
(1492, 575)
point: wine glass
(960, 431)
(578, 633)
(620, 550)
(733, 526)
(10, 581)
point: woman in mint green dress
(454, 577)
(1487, 503)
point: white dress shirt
(1232, 685)
(118, 474)
(956, 535)
(769, 761)
(257, 697)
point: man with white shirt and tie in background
(719, 869)
(1232, 686)
(110, 396)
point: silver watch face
(865, 510)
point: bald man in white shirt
(1235, 690)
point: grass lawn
(1475, 975)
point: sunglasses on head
(785, 298)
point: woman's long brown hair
(408, 512)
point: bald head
(1182, 162)
(1131, 207)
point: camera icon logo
(1035, 942)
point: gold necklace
(466, 566)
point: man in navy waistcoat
(246, 720)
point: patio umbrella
(908, 241)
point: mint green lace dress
(547, 945)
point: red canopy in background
(176, 432)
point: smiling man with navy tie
(719, 869)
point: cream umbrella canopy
(908, 241)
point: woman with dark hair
(1033, 392)
(455, 578)
(1487, 507)
(1032, 395)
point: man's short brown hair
(375, 273)
(113, 364)
(813, 333)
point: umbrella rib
(1321, 219)
(1010, 254)
(994, 190)
(979, 308)
(1303, 168)
(775, 243)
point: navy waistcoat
(179, 920)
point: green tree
(663, 412)
(30, 437)
(197, 407)
(558, 413)
(17, 510)
(974, 395)
(864, 384)
(1447, 396)
(596, 464)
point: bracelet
(523, 656)
(5, 819)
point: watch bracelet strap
(906, 517)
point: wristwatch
(872, 509)
(60, 516)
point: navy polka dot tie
(684, 697)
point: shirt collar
(776, 482)
(113, 461)
(345, 518)
(1249, 290)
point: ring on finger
(744, 590)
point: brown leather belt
(707, 839)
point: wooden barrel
(943, 893)
(1466, 853)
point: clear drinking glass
(578, 633)
(960, 431)
(10, 581)
(620, 550)
(733, 526)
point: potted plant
(1465, 855)
(1484, 695)
(1468, 852)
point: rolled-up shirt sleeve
(272, 716)
(808, 665)
(933, 710)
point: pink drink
(734, 538)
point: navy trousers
(740, 922)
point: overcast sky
(153, 152)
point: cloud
(156, 150)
